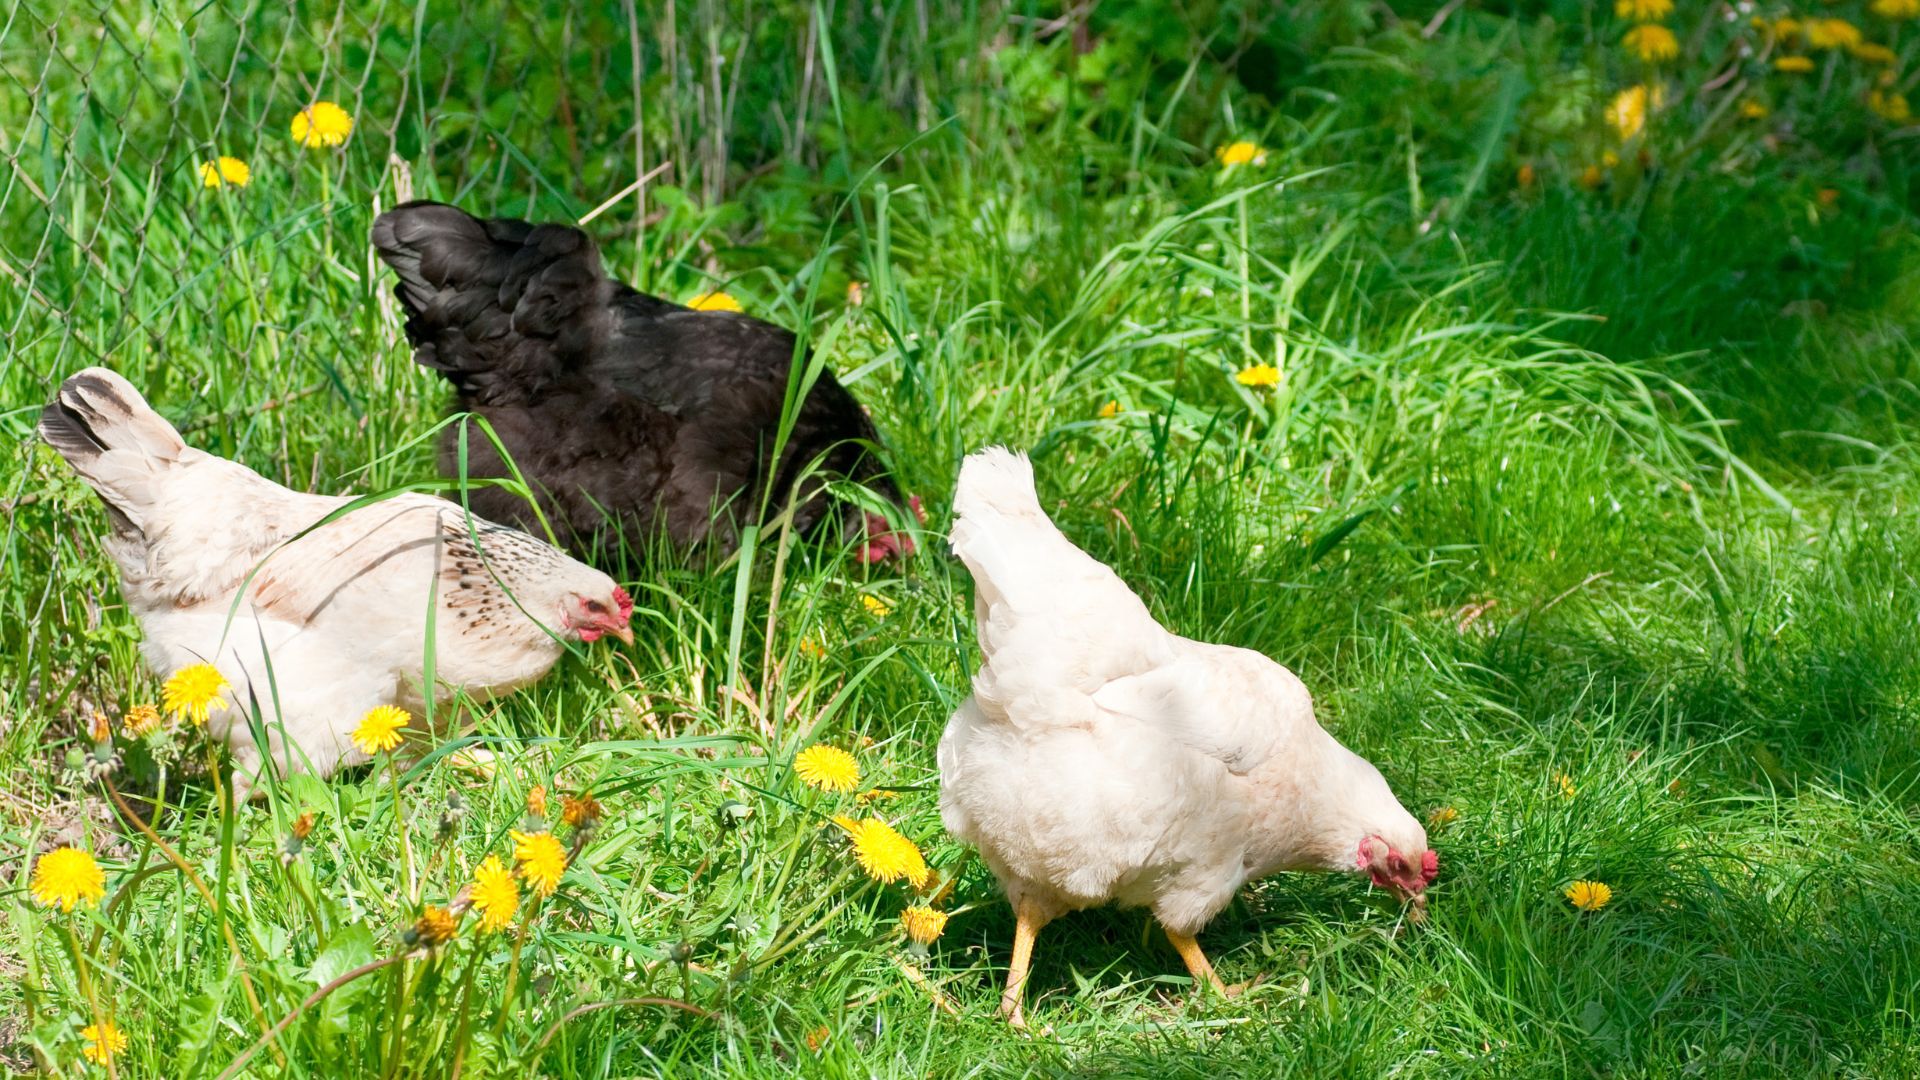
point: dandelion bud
(536, 819)
(141, 720)
(296, 842)
(923, 925)
(435, 927)
(580, 811)
(103, 762)
(451, 817)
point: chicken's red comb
(1430, 865)
(624, 602)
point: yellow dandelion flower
(101, 729)
(1525, 176)
(887, 856)
(818, 1037)
(856, 293)
(828, 768)
(714, 301)
(303, 826)
(193, 693)
(436, 927)
(1896, 9)
(322, 124)
(1793, 65)
(875, 606)
(1441, 818)
(923, 925)
(1609, 160)
(1889, 106)
(67, 876)
(1565, 784)
(1832, 34)
(1241, 153)
(580, 811)
(1627, 112)
(1589, 895)
(494, 895)
(1258, 376)
(104, 1040)
(141, 720)
(875, 795)
(811, 648)
(1110, 410)
(1786, 28)
(225, 171)
(1643, 10)
(1591, 178)
(379, 730)
(1754, 110)
(1827, 197)
(1873, 52)
(542, 860)
(537, 801)
(1652, 43)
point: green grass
(1659, 436)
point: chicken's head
(1404, 869)
(590, 617)
(883, 542)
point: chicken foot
(1198, 964)
(1028, 918)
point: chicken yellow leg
(1027, 921)
(1197, 963)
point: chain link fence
(168, 208)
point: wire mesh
(160, 216)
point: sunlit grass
(1520, 557)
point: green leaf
(200, 1016)
(351, 947)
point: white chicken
(314, 622)
(1102, 759)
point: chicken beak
(1417, 908)
(624, 633)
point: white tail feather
(112, 438)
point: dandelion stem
(141, 872)
(233, 1068)
(398, 1017)
(466, 1001)
(513, 967)
(233, 945)
(1246, 284)
(80, 966)
(540, 1048)
(80, 970)
(400, 826)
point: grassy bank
(1586, 511)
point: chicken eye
(1397, 864)
(596, 607)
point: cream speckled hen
(1102, 759)
(332, 622)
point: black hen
(625, 413)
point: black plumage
(625, 413)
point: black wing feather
(628, 413)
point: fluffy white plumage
(1102, 758)
(333, 621)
